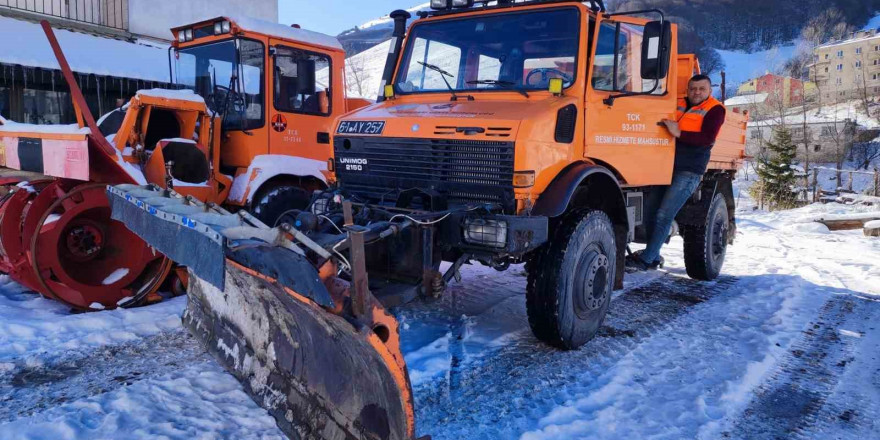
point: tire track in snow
(795, 400)
(524, 378)
(31, 386)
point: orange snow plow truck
(249, 128)
(507, 132)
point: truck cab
(278, 90)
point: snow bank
(873, 224)
(183, 95)
(30, 324)
(809, 228)
(837, 217)
(24, 43)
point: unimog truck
(507, 132)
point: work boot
(634, 263)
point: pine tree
(776, 172)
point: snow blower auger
(320, 353)
(56, 234)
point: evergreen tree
(776, 171)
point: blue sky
(334, 16)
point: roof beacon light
(439, 4)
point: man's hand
(672, 126)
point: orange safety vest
(692, 119)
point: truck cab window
(302, 82)
(212, 71)
(626, 61)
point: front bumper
(495, 234)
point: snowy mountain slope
(792, 318)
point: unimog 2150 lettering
(508, 132)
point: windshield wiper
(444, 74)
(496, 82)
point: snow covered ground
(784, 345)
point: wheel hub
(84, 240)
(593, 293)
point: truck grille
(461, 171)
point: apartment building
(114, 47)
(848, 69)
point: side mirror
(656, 49)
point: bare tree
(356, 75)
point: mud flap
(317, 375)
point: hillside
(741, 26)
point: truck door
(624, 109)
(301, 103)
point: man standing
(698, 121)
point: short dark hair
(700, 77)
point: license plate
(361, 127)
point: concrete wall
(155, 18)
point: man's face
(699, 91)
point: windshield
(209, 70)
(521, 51)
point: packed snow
(783, 344)
(183, 95)
(24, 43)
(117, 275)
(267, 166)
(8, 126)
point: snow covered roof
(279, 30)
(24, 43)
(757, 98)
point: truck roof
(278, 30)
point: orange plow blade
(320, 354)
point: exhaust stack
(400, 18)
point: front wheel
(275, 204)
(705, 246)
(570, 280)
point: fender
(267, 166)
(554, 201)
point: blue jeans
(684, 183)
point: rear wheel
(706, 246)
(571, 280)
(273, 205)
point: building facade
(114, 47)
(848, 69)
(779, 90)
(817, 141)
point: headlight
(181, 36)
(462, 3)
(218, 28)
(188, 34)
(491, 233)
(439, 4)
(227, 27)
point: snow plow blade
(298, 338)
